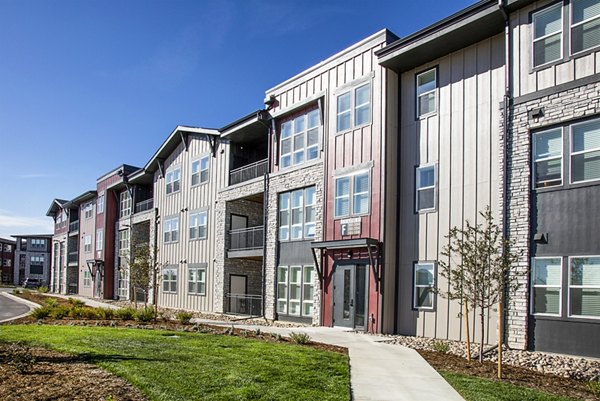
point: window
(427, 92)
(584, 287)
(297, 216)
(99, 239)
(173, 181)
(125, 204)
(352, 194)
(546, 281)
(547, 35)
(36, 264)
(123, 242)
(87, 278)
(354, 108)
(547, 158)
(123, 283)
(87, 210)
(295, 290)
(585, 151)
(425, 190)
(100, 204)
(170, 279)
(171, 230)
(87, 243)
(300, 139)
(200, 171)
(38, 243)
(197, 280)
(585, 25)
(198, 225)
(424, 274)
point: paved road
(10, 308)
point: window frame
(572, 25)
(570, 286)
(196, 268)
(87, 243)
(361, 83)
(571, 153)
(168, 224)
(87, 278)
(302, 208)
(123, 239)
(88, 210)
(533, 286)
(534, 160)
(99, 240)
(560, 33)
(100, 204)
(431, 286)
(351, 194)
(435, 187)
(196, 215)
(125, 204)
(291, 122)
(198, 162)
(435, 91)
(171, 271)
(301, 284)
(173, 177)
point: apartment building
(32, 258)
(7, 258)
(65, 246)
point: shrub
(16, 291)
(144, 315)
(125, 314)
(184, 317)
(20, 357)
(43, 289)
(41, 313)
(300, 338)
(59, 312)
(594, 387)
(76, 312)
(89, 313)
(76, 302)
(105, 313)
(50, 302)
(441, 347)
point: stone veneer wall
(558, 108)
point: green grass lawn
(478, 389)
(190, 366)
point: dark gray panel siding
(295, 253)
(565, 337)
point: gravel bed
(560, 365)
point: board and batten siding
(462, 139)
(181, 204)
(527, 80)
(86, 227)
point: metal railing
(144, 205)
(248, 172)
(246, 238)
(74, 225)
(244, 304)
(73, 257)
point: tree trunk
(467, 331)
(500, 336)
(482, 322)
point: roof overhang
(83, 197)
(345, 243)
(248, 129)
(56, 204)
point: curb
(29, 304)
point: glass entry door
(350, 296)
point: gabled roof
(123, 169)
(55, 205)
(82, 198)
(172, 141)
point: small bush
(89, 313)
(50, 302)
(144, 315)
(41, 313)
(594, 387)
(16, 291)
(300, 338)
(76, 302)
(105, 313)
(76, 312)
(125, 314)
(184, 317)
(26, 292)
(59, 312)
(43, 289)
(20, 357)
(441, 347)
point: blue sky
(87, 85)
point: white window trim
(305, 147)
(196, 268)
(351, 195)
(199, 172)
(353, 106)
(125, 204)
(289, 209)
(571, 153)
(301, 284)
(100, 204)
(88, 208)
(534, 160)
(415, 286)
(435, 188)
(534, 40)
(534, 286)
(99, 240)
(169, 268)
(169, 221)
(572, 25)
(169, 179)
(569, 286)
(197, 214)
(87, 242)
(417, 96)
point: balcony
(144, 206)
(243, 304)
(248, 172)
(246, 243)
(74, 226)
(73, 257)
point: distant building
(32, 258)
(7, 257)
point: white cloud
(11, 224)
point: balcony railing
(248, 172)
(243, 304)
(144, 205)
(74, 226)
(246, 238)
(73, 257)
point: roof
(32, 236)
(7, 241)
(248, 129)
(122, 169)
(83, 197)
(345, 243)
(55, 205)
(172, 141)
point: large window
(585, 25)
(36, 264)
(173, 180)
(354, 108)
(297, 214)
(427, 92)
(171, 230)
(547, 158)
(99, 239)
(198, 225)
(88, 210)
(546, 283)
(200, 171)
(352, 194)
(584, 287)
(38, 243)
(424, 281)
(425, 188)
(300, 139)
(295, 290)
(100, 204)
(87, 243)
(585, 151)
(125, 204)
(547, 35)
(87, 278)
(123, 242)
(197, 280)
(170, 279)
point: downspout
(323, 254)
(155, 262)
(270, 130)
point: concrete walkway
(89, 302)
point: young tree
(479, 267)
(141, 270)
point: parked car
(32, 283)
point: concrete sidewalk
(378, 371)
